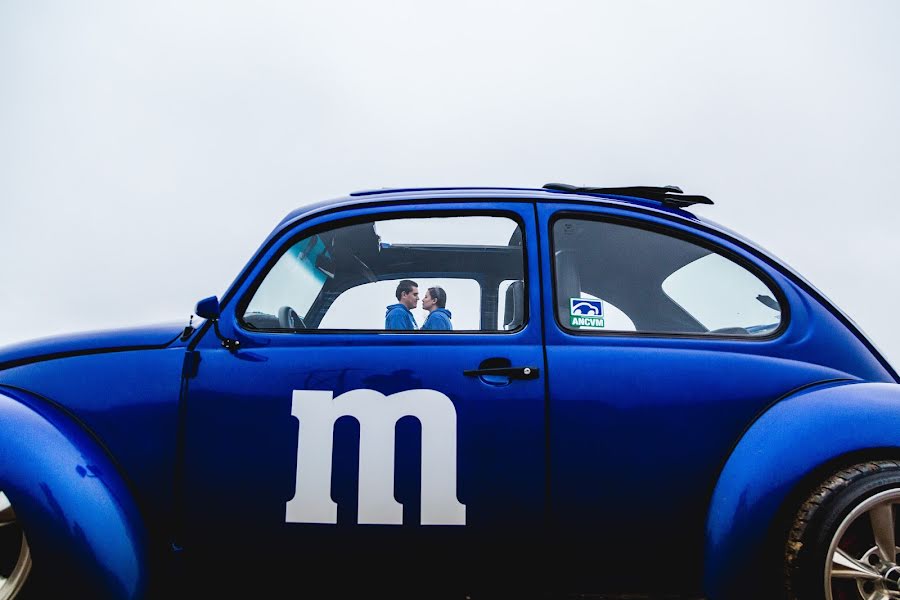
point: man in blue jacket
(438, 317)
(398, 316)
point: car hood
(90, 342)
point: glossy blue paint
(69, 495)
(691, 443)
(129, 401)
(640, 425)
(208, 308)
(797, 435)
(239, 428)
(146, 336)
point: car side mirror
(208, 308)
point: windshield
(295, 280)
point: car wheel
(843, 542)
(15, 557)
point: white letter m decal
(377, 415)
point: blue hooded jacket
(438, 319)
(399, 317)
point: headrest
(514, 314)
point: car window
(722, 295)
(295, 280)
(611, 276)
(437, 274)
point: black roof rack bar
(669, 195)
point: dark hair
(438, 293)
(405, 286)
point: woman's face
(428, 303)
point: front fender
(76, 510)
(791, 439)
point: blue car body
(632, 463)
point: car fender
(789, 441)
(75, 507)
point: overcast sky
(147, 149)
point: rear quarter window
(612, 276)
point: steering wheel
(289, 319)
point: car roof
(393, 195)
(386, 196)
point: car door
(664, 341)
(328, 446)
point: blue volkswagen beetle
(465, 393)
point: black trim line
(70, 353)
(548, 495)
(189, 370)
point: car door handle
(511, 372)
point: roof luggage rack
(669, 195)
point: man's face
(410, 299)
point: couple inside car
(399, 315)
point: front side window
(436, 274)
(615, 277)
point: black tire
(840, 512)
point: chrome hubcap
(863, 555)
(15, 557)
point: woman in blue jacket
(438, 317)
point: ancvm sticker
(586, 313)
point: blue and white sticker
(586, 313)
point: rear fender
(794, 438)
(79, 516)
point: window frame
(636, 223)
(305, 232)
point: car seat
(514, 313)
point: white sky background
(147, 150)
